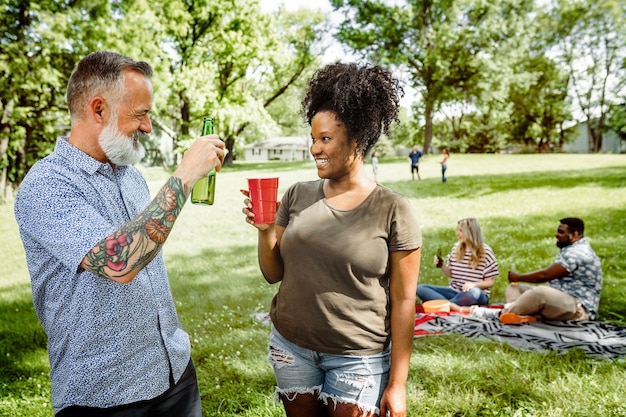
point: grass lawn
(211, 258)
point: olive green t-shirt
(334, 296)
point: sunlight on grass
(217, 287)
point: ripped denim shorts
(358, 380)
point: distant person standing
(414, 159)
(444, 165)
(375, 165)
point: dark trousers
(181, 400)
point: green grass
(211, 258)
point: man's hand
(205, 154)
(514, 277)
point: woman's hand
(249, 212)
(393, 402)
(270, 261)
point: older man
(93, 246)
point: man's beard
(563, 244)
(119, 148)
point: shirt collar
(77, 157)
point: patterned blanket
(596, 338)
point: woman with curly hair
(471, 266)
(346, 252)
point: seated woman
(471, 266)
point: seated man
(572, 292)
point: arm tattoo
(135, 244)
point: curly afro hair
(365, 98)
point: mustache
(138, 134)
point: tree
(517, 94)
(540, 102)
(591, 45)
(225, 56)
(446, 47)
(494, 62)
(40, 43)
(290, 61)
(220, 58)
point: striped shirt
(461, 271)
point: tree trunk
(228, 158)
(594, 136)
(428, 128)
(597, 138)
(4, 143)
(185, 120)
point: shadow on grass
(218, 294)
(480, 185)
(21, 338)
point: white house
(611, 142)
(293, 148)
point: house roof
(284, 142)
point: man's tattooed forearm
(141, 238)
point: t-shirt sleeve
(405, 232)
(491, 267)
(282, 214)
(568, 260)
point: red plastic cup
(263, 195)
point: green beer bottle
(203, 191)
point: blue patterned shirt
(109, 343)
(585, 275)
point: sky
(270, 5)
(333, 53)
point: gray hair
(100, 74)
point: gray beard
(119, 148)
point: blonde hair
(472, 242)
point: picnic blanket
(597, 339)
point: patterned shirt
(585, 275)
(109, 343)
(461, 271)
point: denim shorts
(358, 380)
